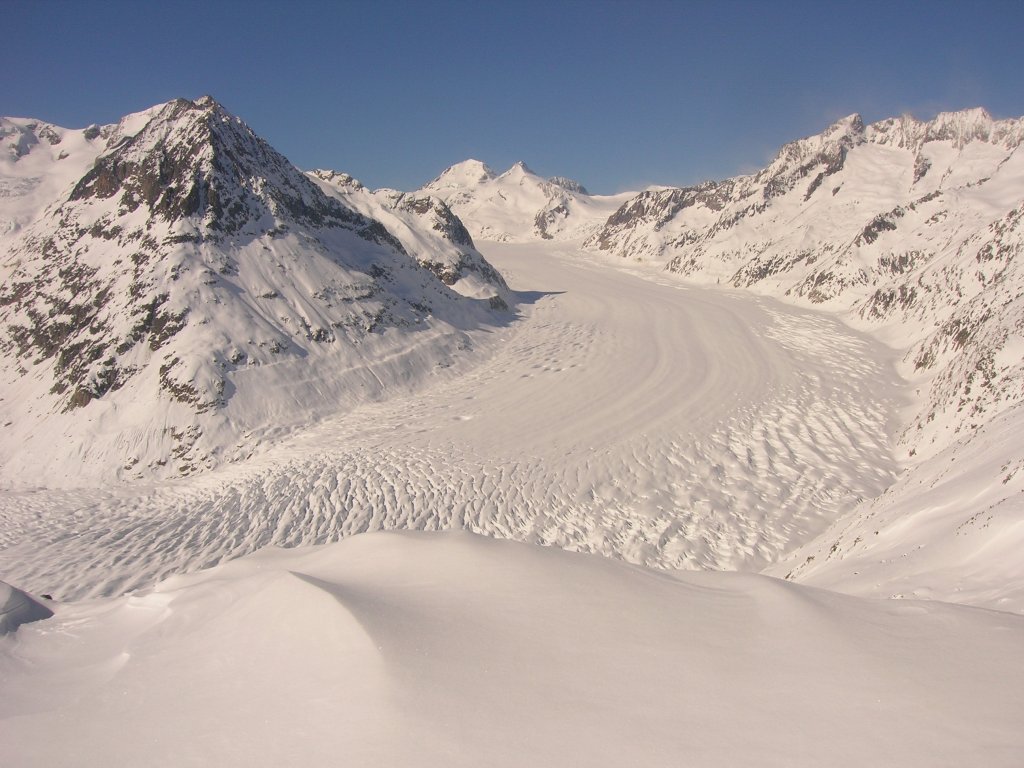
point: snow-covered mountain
(520, 206)
(911, 230)
(911, 226)
(172, 288)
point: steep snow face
(456, 651)
(18, 607)
(911, 227)
(519, 205)
(167, 304)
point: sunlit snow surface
(451, 650)
(624, 414)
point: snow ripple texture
(624, 414)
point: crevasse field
(621, 414)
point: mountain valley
(494, 455)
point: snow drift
(453, 650)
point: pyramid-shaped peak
(467, 173)
(850, 125)
(519, 167)
(207, 101)
(194, 161)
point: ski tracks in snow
(625, 415)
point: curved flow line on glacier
(624, 414)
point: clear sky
(614, 94)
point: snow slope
(519, 206)
(951, 528)
(191, 295)
(623, 414)
(453, 650)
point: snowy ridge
(150, 313)
(38, 162)
(518, 205)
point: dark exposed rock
(546, 218)
(194, 160)
(450, 274)
(441, 217)
(921, 166)
(879, 224)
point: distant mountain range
(520, 206)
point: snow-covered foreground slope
(454, 650)
(624, 414)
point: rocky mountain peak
(829, 146)
(961, 128)
(181, 257)
(338, 178)
(196, 166)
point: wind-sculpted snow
(456, 651)
(625, 415)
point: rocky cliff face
(188, 256)
(911, 227)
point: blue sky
(614, 94)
